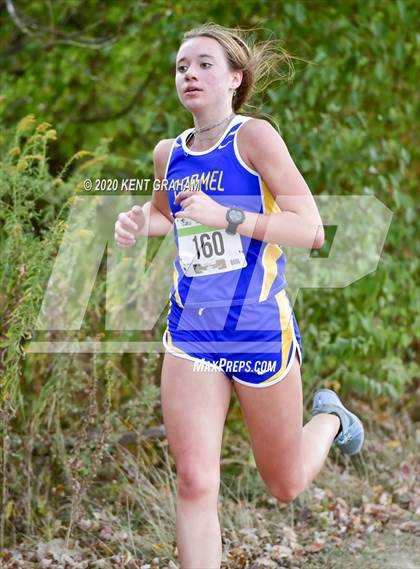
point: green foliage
(43, 392)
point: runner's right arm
(154, 218)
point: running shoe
(351, 435)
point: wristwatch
(234, 216)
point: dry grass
(354, 508)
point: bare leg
(195, 405)
(318, 436)
(198, 532)
(288, 455)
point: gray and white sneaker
(351, 436)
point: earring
(234, 93)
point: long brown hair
(260, 62)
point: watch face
(236, 215)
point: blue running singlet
(228, 302)
(223, 175)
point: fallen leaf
(314, 547)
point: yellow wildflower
(35, 138)
(91, 162)
(82, 154)
(15, 151)
(51, 134)
(34, 157)
(26, 122)
(43, 127)
(22, 165)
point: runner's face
(201, 63)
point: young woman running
(233, 196)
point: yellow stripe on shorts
(169, 337)
(175, 280)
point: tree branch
(65, 37)
(137, 97)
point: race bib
(205, 250)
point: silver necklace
(209, 127)
(197, 131)
(212, 137)
(193, 133)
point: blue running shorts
(253, 344)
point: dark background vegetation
(87, 89)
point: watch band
(233, 225)
(231, 228)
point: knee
(286, 494)
(195, 481)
